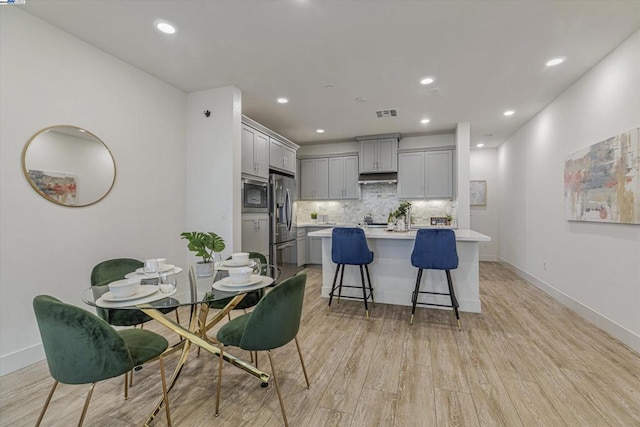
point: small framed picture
(478, 191)
(439, 220)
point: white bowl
(124, 288)
(240, 275)
(240, 257)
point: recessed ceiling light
(427, 81)
(283, 100)
(165, 27)
(509, 113)
(425, 121)
(480, 145)
(361, 99)
(82, 130)
(555, 61)
(328, 86)
(320, 130)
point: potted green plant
(314, 217)
(204, 245)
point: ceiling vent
(381, 114)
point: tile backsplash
(377, 199)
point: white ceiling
(486, 56)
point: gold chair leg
(86, 404)
(131, 377)
(256, 354)
(219, 380)
(304, 369)
(46, 403)
(164, 390)
(275, 380)
(126, 385)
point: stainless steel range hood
(378, 178)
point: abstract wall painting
(60, 187)
(602, 182)
(478, 191)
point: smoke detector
(381, 114)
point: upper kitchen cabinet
(379, 155)
(281, 156)
(343, 178)
(255, 152)
(314, 179)
(425, 175)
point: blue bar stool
(349, 247)
(435, 250)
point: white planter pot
(204, 269)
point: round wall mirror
(69, 166)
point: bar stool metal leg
(333, 287)
(366, 268)
(414, 298)
(340, 286)
(454, 300)
(364, 293)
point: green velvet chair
(115, 269)
(274, 322)
(81, 348)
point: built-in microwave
(254, 196)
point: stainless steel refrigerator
(283, 247)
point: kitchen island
(393, 277)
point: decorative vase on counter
(400, 224)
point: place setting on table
(152, 282)
(243, 274)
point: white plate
(101, 302)
(255, 278)
(143, 291)
(164, 269)
(222, 285)
(232, 263)
(141, 275)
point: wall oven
(255, 196)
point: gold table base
(197, 334)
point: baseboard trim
(21, 359)
(616, 330)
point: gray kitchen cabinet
(255, 233)
(425, 175)
(343, 178)
(379, 155)
(314, 179)
(314, 247)
(411, 175)
(302, 251)
(282, 156)
(255, 152)
(438, 172)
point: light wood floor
(525, 361)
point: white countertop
(381, 233)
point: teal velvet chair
(115, 269)
(84, 349)
(274, 322)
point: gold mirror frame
(64, 185)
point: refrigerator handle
(288, 209)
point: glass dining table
(197, 294)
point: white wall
(484, 219)
(594, 268)
(48, 77)
(213, 164)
